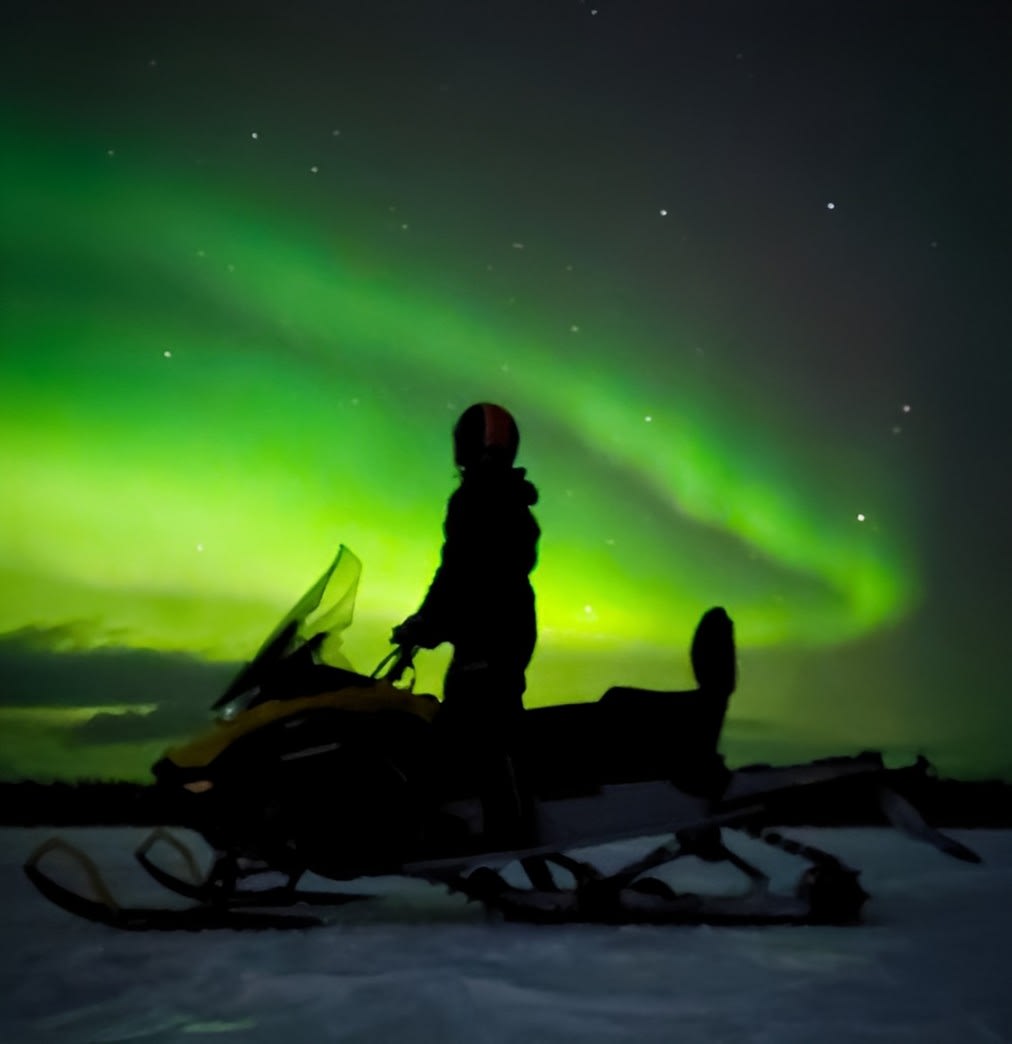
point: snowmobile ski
(103, 908)
(220, 887)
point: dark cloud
(165, 724)
(34, 672)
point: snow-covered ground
(933, 965)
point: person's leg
(482, 708)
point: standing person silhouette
(482, 603)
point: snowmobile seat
(631, 735)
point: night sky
(740, 270)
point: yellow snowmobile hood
(367, 699)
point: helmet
(485, 434)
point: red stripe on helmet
(498, 426)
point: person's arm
(428, 626)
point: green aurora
(206, 388)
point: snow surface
(933, 964)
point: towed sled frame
(827, 891)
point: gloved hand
(415, 630)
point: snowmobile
(311, 767)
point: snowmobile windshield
(311, 632)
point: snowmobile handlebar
(401, 658)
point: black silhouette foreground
(312, 767)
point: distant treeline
(944, 803)
(86, 803)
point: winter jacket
(482, 589)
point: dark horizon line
(92, 802)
